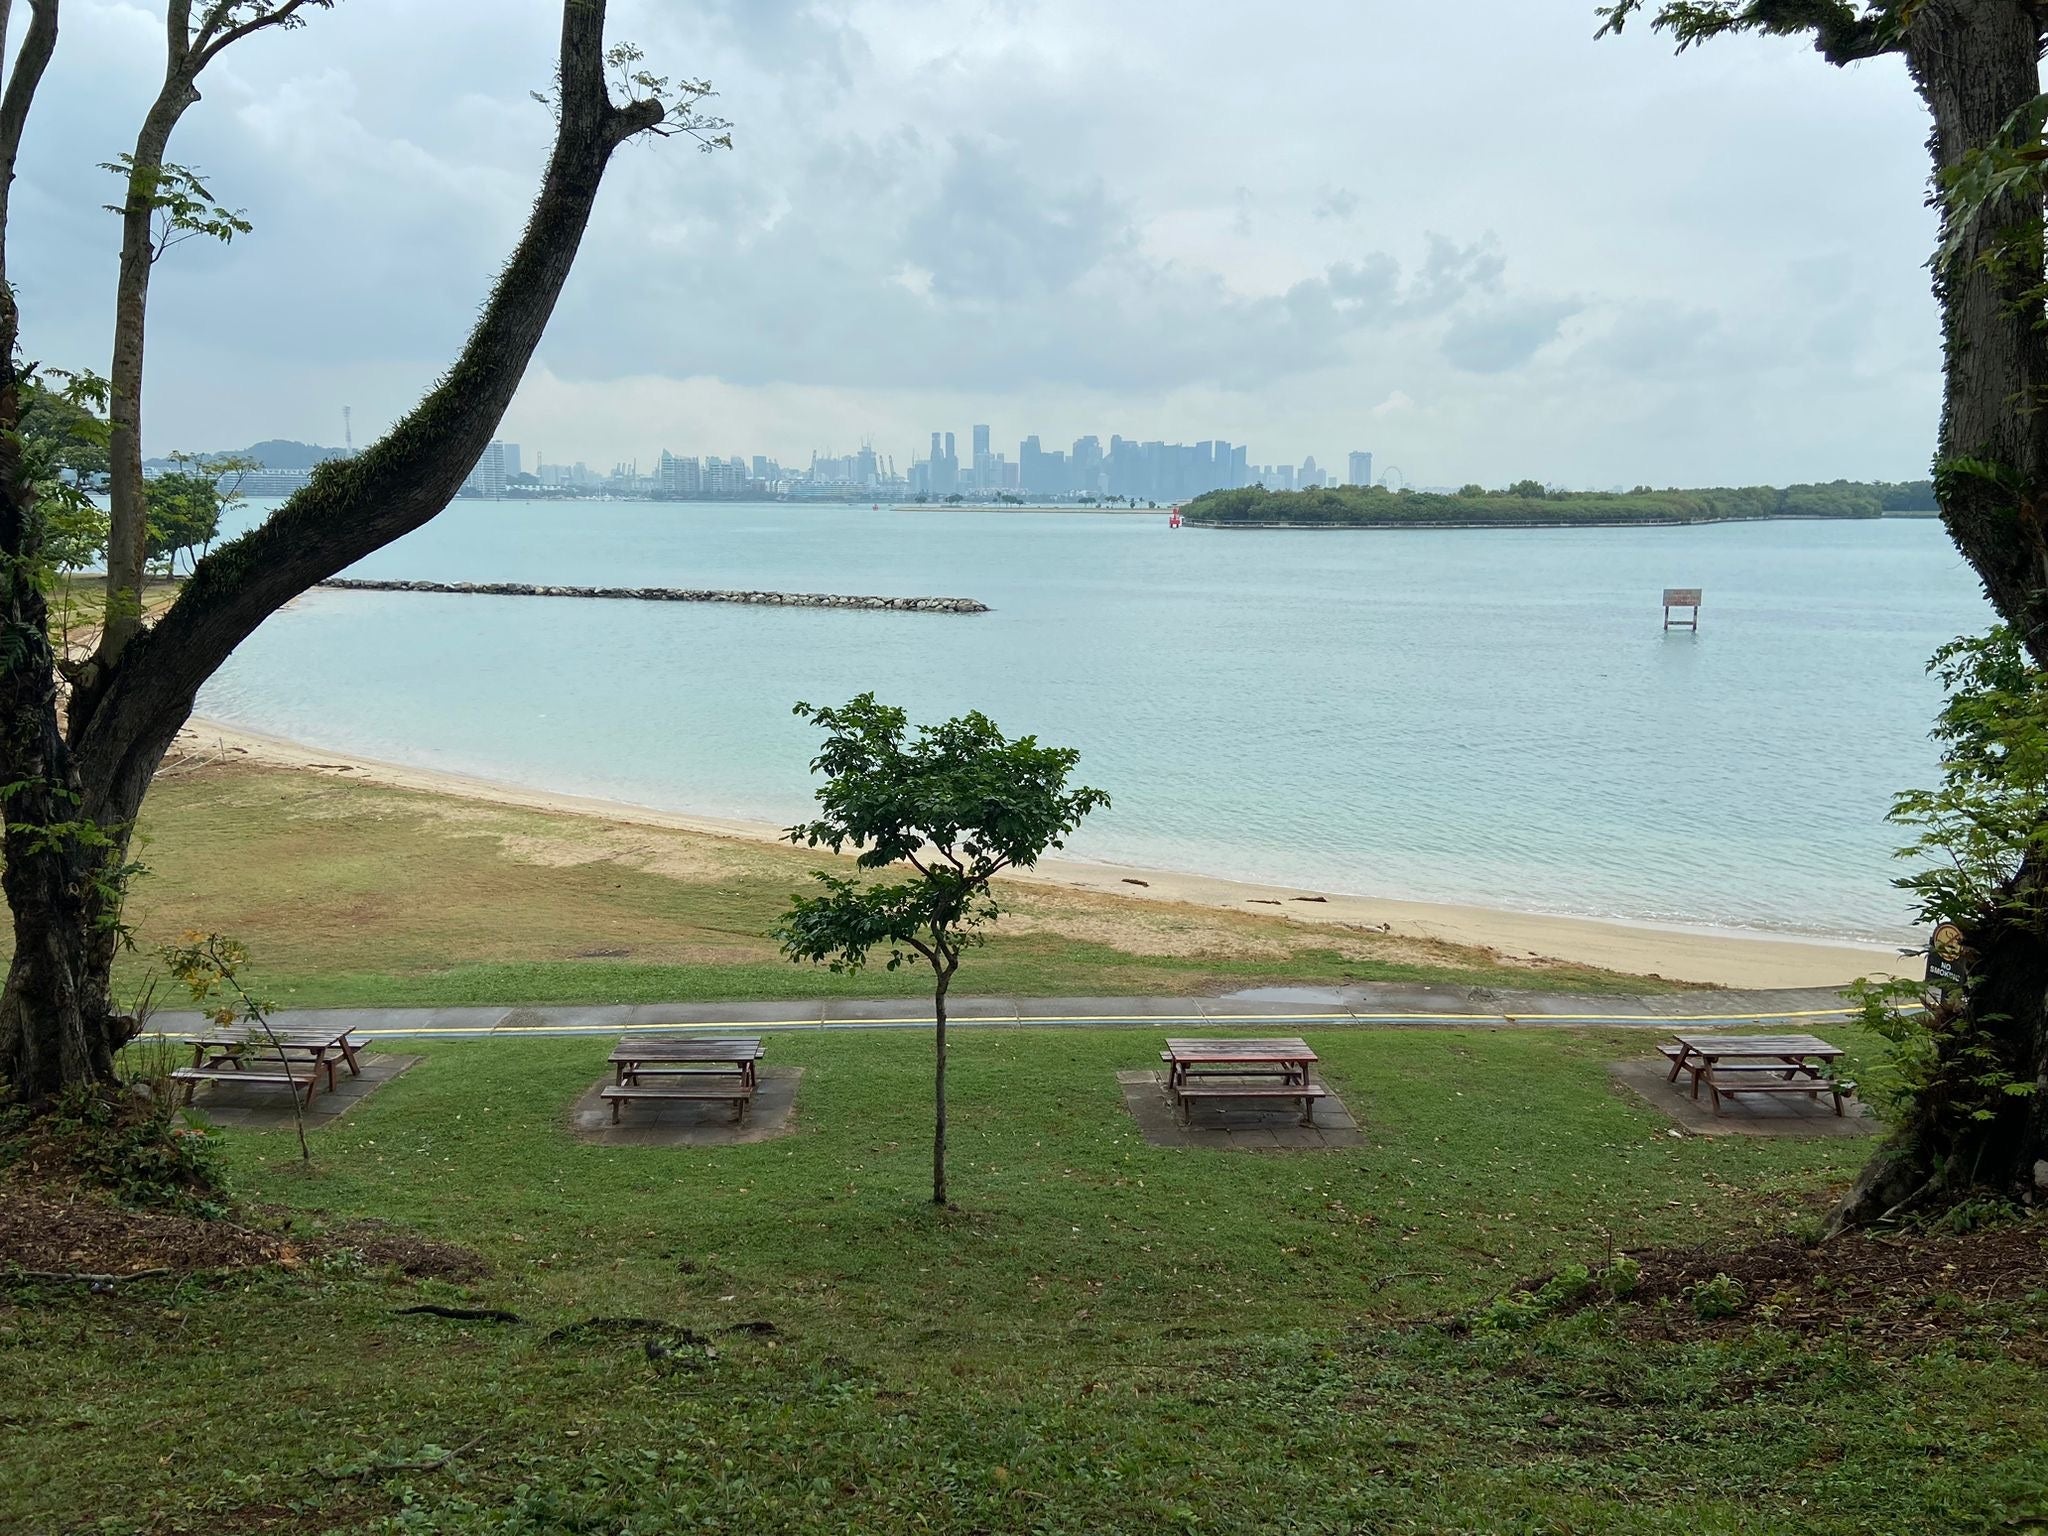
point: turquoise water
(1476, 716)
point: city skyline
(1149, 470)
(1089, 245)
(1126, 468)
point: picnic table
(1241, 1069)
(298, 1057)
(669, 1068)
(1735, 1064)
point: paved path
(1370, 1003)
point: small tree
(955, 806)
(210, 966)
(187, 503)
(184, 513)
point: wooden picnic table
(1241, 1069)
(298, 1057)
(663, 1067)
(1736, 1064)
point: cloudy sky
(1464, 236)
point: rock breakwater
(669, 595)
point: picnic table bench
(668, 1068)
(297, 1057)
(1735, 1064)
(1241, 1069)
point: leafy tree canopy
(953, 806)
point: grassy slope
(350, 894)
(1106, 1338)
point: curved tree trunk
(78, 792)
(1977, 66)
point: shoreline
(1404, 525)
(1670, 952)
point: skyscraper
(488, 478)
(1360, 472)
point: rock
(668, 595)
(2041, 1174)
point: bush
(1620, 1279)
(139, 1151)
(1808, 1231)
(1563, 1290)
(1722, 1296)
(1975, 1215)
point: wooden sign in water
(1682, 597)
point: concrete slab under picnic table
(690, 1122)
(1251, 1126)
(1792, 1115)
(268, 1106)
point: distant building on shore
(1360, 470)
(494, 471)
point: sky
(1467, 238)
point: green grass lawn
(354, 895)
(1104, 1337)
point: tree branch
(358, 505)
(1843, 33)
(37, 44)
(178, 30)
(281, 17)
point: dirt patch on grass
(1899, 1289)
(63, 1229)
(71, 1231)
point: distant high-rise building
(1360, 471)
(511, 459)
(676, 478)
(489, 477)
(943, 476)
(984, 462)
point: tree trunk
(128, 517)
(39, 877)
(1952, 1144)
(939, 1086)
(75, 794)
(46, 868)
(1977, 65)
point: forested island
(1527, 504)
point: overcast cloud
(1465, 237)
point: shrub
(1975, 1215)
(1562, 1290)
(1620, 1279)
(139, 1151)
(1808, 1231)
(1722, 1296)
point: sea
(1492, 717)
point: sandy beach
(1702, 955)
